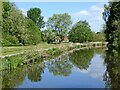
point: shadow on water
(63, 65)
(112, 73)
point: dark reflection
(16, 77)
(82, 58)
(34, 74)
(112, 74)
(60, 66)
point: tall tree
(81, 32)
(60, 23)
(111, 15)
(35, 15)
(16, 29)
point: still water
(95, 68)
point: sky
(90, 11)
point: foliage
(50, 35)
(111, 15)
(16, 29)
(53, 51)
(59, 23)
(99, 36)
(80, 32)
(35, 15)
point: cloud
(79, 14)
(93, 15)
(96, 8)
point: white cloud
(96, 8)
(79, 14)
(93, 15)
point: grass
(19, 49)
(31, 53)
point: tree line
(18, 29)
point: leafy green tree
(6, 9)
(43, 35)
(50, 35)
(60, 23)
(17, 30)
(35, 15)
(33, 33)
(111, 16)
(80, 32)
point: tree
(80, 32)
(35, 15)
(111, 16)
(17, 30)
(60, 23)
(50, 35)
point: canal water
(95, 68)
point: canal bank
(33, 56)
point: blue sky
(90, 11)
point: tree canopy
(59, 23)
(111, 16)
(80, 32)
(16, 29)
(35, 15)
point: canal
(94, 68)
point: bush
(53, 51)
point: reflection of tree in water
(13, 78)
(112, 74)
(34, 74)
(60, 66)
(16, 77)
(82, 58)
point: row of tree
(17, 29)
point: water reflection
(15, 78)
(81, 59)
(112, 73)
(60, 66)
(95, 65)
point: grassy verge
(19, 49)
(34, 55)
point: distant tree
(100, 36)
(80, 32)
(35, 15)
(60, 23)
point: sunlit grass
(19, 49)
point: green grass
(19, 49)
